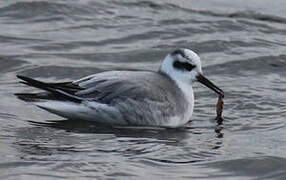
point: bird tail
(54, 91)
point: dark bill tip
(202, 79)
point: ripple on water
(64, 40)
(264, 167)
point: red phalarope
(129, 98)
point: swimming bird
(128, 98)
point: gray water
(242, 47)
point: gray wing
(109, 86)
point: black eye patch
(183, 65)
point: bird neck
(168, 70)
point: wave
(36, 9)
(261, 65)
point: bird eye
(183, 65)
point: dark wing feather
(58, 91)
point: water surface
(242, 47)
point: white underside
(90, 111)
(102, 113)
